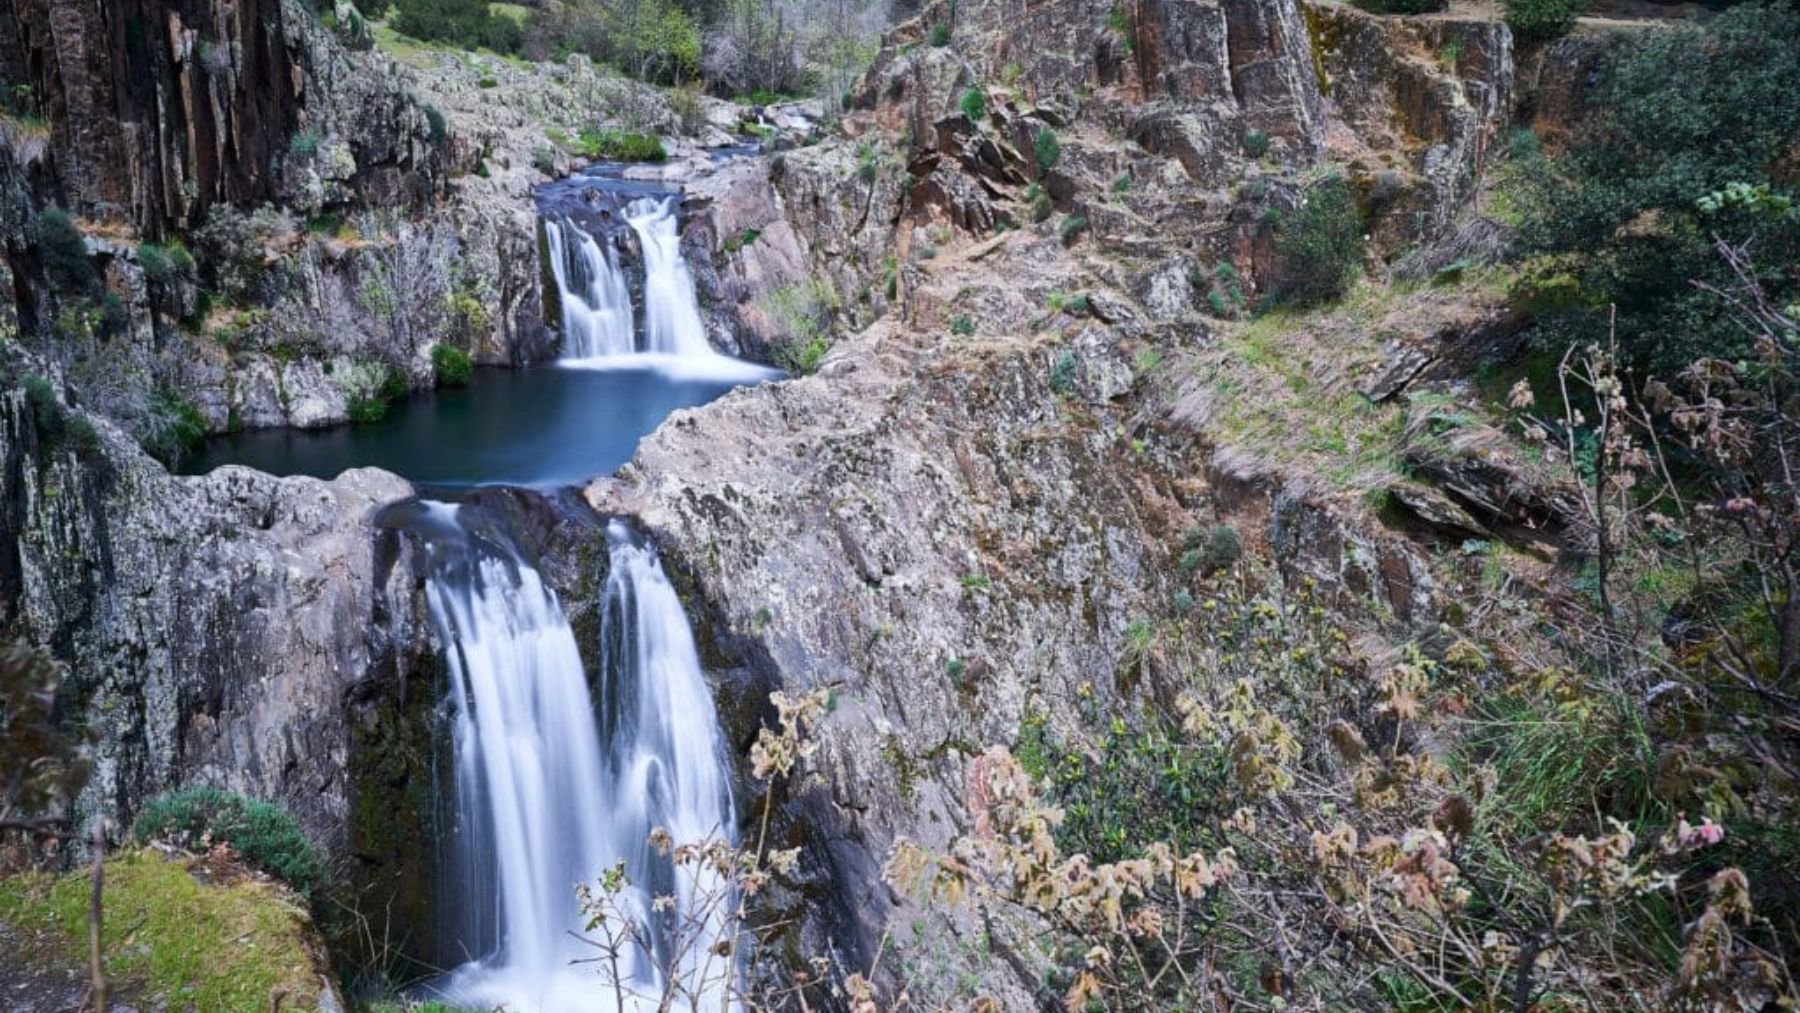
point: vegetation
(170, 426)
(1321, 244)
(165, 264)
(452, 366)
(618, 146)
(62, 250)
(1614, 221)
(369, 388)
(802, 312)
(261, 833)
(1542, 20)
(218, 945)
(974, 105)
(466, 23)
(1046, 149)
(1072, 227)
(1256, 143)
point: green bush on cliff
(1320, 243)
(62, 250)
(452, 366)
(1047, 149)
(974, 105)
(260, 832)
(170, 426)
(1540, 20)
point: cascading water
(551, 791)
(595, 299)
(672, 324)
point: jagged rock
(957, 469)
(1436, 509)
(218, 91)
(215, 626)
(1165, 292)
(1479, 468)
(1413, 110)
(1402, 363)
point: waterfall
(596, 301)
(552, 790)
(672, 324)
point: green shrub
(866, 164)
(369, 388)
(434, 121)
(304, 144)
(1063, 373)
(468, 24)
(260, 832)
(1121, 184)
(163, 264)
(62, 250)
(622, 146)
(962, 326)
(1072, 227)
(1685, 111)
(1046, 148)
(1211, 549)
(802, 357)
(974, 105)
(1320, 243)
(741, 240)
(46, 411)
(487, 82)
(1541, 20)
(170, 426)
(452, 366)
(940, 33)
(1256, 143)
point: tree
(1612, 223)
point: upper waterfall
(672, 324)
(595, 298)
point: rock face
(160, 110)
(922, 537)
(220, 629)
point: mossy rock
(181, 933)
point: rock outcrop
(159, 111)
(222, 629)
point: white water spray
(595, 299)
(551, 792)
(672, 324)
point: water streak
(594, 295)
(552, 790)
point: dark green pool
(545, 426)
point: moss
(1323, 34)
(214, 947)
(396, 760)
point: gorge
(1180, 504)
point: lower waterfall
(552, 791)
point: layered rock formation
(159, 111)
(223, 629)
